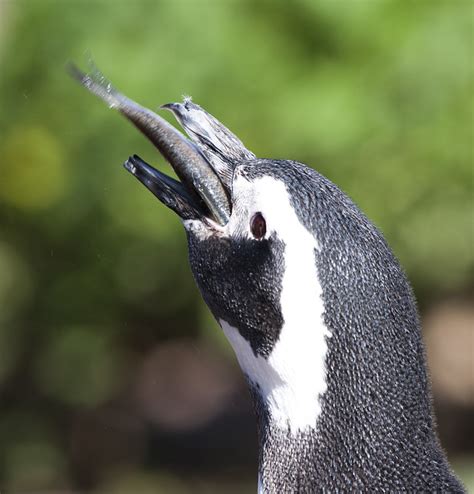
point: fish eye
(258, 226)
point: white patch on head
(292, 378)
(198, 228)
(203, 229)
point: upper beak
(221, 148)
(201, 192)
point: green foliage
(376, 95)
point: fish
(199, 182)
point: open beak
(201, 193)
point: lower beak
(169, 191)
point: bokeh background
(113, 376)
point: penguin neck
(287, 387)
(286, 458)
(350, 438)
(345, 409)
(367, 424)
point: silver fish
(190, 165)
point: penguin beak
(200, 193)
(172, 193)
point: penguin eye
(258, 226)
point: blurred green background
(113, 377)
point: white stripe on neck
(292, 379)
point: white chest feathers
(292, 379)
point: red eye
(258, 226)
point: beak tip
(130, 166)
(172, 107)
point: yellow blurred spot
(32, 173)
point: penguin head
(298, 278)
(258, 271)
(240, 267)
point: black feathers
(376, 431)
(240, 281)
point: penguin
(318, 310)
